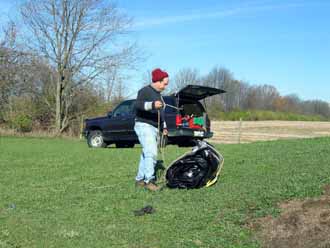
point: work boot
(151, 186)
(139, 183)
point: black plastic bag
(198, 168)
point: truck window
(124, 109)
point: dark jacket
(145, 107)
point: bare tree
(146, 78)
(243, 95)
(293, 103)
(184, 77)
(111, 78)
(79, 40)
(232, 97)
(119, 92)
(218, 77)
(316, 107)
(10, 61)
(221, 78)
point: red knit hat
(158, 75)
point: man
(150, 104)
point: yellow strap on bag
(214, 180)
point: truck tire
(95, 139)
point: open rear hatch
(197, 92)
(192, 115)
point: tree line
(68, 59)
(244, 96)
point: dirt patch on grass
(302, 223)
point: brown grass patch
(302, 223)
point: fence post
(81, 126)
(239, 130)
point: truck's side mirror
(109, 114)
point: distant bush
(259, 115)
(22, 123)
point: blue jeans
(147, 135)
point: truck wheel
(95, 139)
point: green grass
(59, 193)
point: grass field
(59, 193)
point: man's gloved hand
(158, 104)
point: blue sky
(281, 43)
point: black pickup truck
(185, 116)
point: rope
(161, 143)
(171, 106)
(161, 140)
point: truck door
(121, 123)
